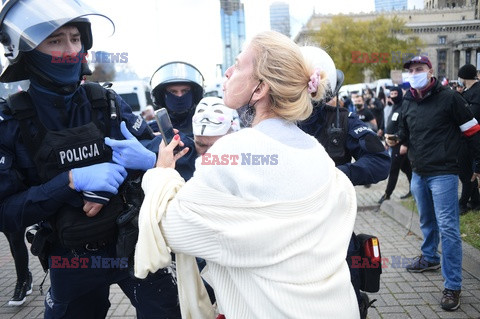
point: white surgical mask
(419, 80)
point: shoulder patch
(361, 130)
(5, 160)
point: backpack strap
(22, 109)
(102, 100)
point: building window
(468, 56)
(442, 39)
(442, 63)
(471, 36)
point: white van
(348, 89)
(135, 93)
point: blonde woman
(267, 209)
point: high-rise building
(280, 17)
(390, 5)
(233, 30)
(439, 4)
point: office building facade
(390, 5)
(280, 17)
(451, 34)
(232, 17)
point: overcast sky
(154, 32)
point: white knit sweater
(275, 236)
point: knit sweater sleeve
(226, 212)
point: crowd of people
(250, 191)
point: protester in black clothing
(364, 114)
(19, 252)
(399, 161)
(470, 197)
(376, 107)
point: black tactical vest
(54, 152)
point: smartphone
(165, 127)
(393, 138)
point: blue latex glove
(130, 153)
(104, 177)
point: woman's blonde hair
(280, 64)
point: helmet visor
(29, 22)
(176, 72)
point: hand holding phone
(166, 128)
(391, 140)
(393, 137)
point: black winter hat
(399, 91)
(467, 72)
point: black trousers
(19, 251)
(399, 162)
(469, 189)
(80, 286)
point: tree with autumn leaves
(378, 45)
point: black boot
(407, 195)
(22, 289)
(383, 198)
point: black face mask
(359, 106)
(396, 99)
(179, 104)
(389, 103)
(247, 112)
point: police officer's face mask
(61, 70)
(179, 104)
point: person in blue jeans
(434, 120)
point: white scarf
(152, 253)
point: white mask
(213, 118)
(419, 80)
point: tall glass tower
(233, 30)
(390, 5)
(280, 17)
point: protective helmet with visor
(24, 24)
(176, 72)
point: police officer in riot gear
(344, 137)
(178, 87)
(56, 159)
